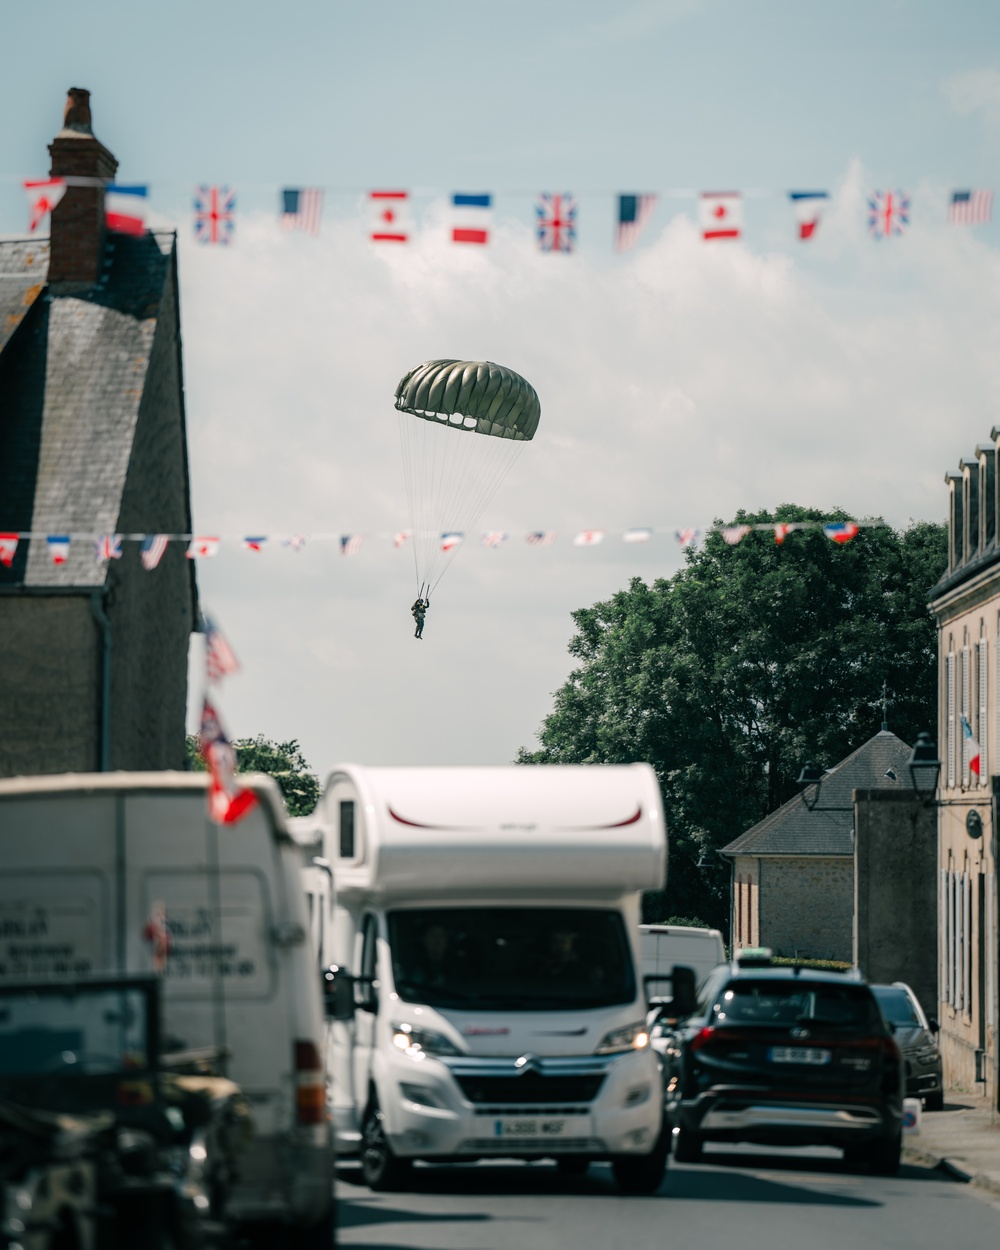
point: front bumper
(463, 1108)
(752, 1115)
(923, 1077)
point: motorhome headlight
(418, 1042)
(631, 1037)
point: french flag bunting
(840, 531)
(450, 540)
(43, 195)
(972, 752)
(152, 549)
(639, 535)
(228, 801)
(202, 548)
(108, 547)
(255, 542)
(390, 216)
(588, 538)
(721, 214)
(471, 218)
(808, 207)
(125, 208)
(58, 547)
(8, 549)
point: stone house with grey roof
(793, 874)
(92, 441)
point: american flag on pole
(214, 208)
(8, 549)
(555, 222)
(301, 208)
(540, 538)
(220, 658)
(152, 549)
(633, 213)
(888, 213)
(108, 547)
(970, 208)
(350, 544)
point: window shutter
(950, 666)
(983, 729)
(966, 699)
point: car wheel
(381, 1169)
(688, 1146)
(883, 1155)
(934, 1101)
(643, 1174)
(572, 1165)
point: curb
(954, 1169)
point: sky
(678, 382)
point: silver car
(917, 1039)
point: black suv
(786, 1057)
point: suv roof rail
(755, 957)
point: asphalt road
(746, 1198)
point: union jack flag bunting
(555, 220)
(295, 541)
(152, 549)
(493, 538)
(688, 537)
(108, 547)
(888, 213)
(214, 209)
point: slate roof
(72, 373)
(794, 830)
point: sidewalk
(964, 1139)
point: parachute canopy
(473, 395)
(449, 480)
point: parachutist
(419, 611)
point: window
(749, 912)
(346, 828)
(739, 911)
(983, 733)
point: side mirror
(338, 993)
(933, 1025)
(683, 1000)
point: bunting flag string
(153, 547)
(720, 214)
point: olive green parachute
(449, 481)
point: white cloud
(973, 91)
(679, 383)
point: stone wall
(806, 906)
(895, 890)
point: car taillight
(310, 1085)
(710, 1036)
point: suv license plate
(799, 1054)
(529, 1128)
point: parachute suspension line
(408, 482)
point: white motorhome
(124, 873)
(489, 920)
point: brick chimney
(77, 241)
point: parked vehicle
(487, 919)
(664, 945)
(123, 873)
(917, 1038)
(786, 1056)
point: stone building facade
(966, 605)
(793, 874)
(92, 441)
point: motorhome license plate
(542, 1127)
(799, 1054)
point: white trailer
(124, 873)
(488, 918)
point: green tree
(751, 660)
(283, 761)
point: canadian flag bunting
(202, 548)
(43, 195)
(390, 216)
(588, 538)
(721, 214)
(8, 549)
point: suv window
(783, 1003)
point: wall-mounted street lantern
(812, 776)
(925, 772)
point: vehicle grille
(531, 1146)
(510, 1109)
(531, 1087)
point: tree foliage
(283, 761)
(751, 660)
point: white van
(666, 945)
(124, 873)
(489, 917)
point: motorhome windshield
(511, 958)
